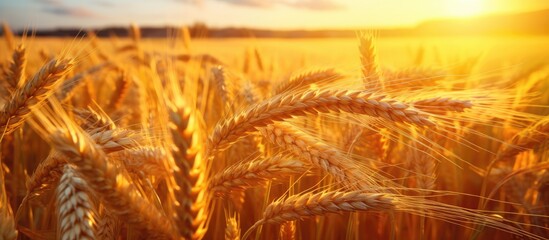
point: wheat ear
(66, 90)
(368, 58)
(109, 184)
(107, 225)
(304, 80)
(306, 205)
(122, 87)
(74, 207)
(441, 105)
(526, 139)
(49, 170)
(16, 72)
(32, 94)
(146, 159)
(116, 139)
(285, 106)
(320, 154)
(232, 229)
(94, 120)
(412, 78)
(190, 177)
(241, 176)
(8, 35)
(288, 230)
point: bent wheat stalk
(306, 205)
(285, 106)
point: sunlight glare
(464, 8)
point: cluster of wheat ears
(135, 144)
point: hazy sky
(275, 14)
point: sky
(270, 14)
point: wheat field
(366, 138)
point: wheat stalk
(284, 106)
(108, 183)
(321, 155)
(49, 170)
(32, 94)
(74, 207)
(306, 205)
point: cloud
(69, 11)
(57, 7)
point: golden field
(366, 138)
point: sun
(464, 8)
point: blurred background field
(496, 53)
